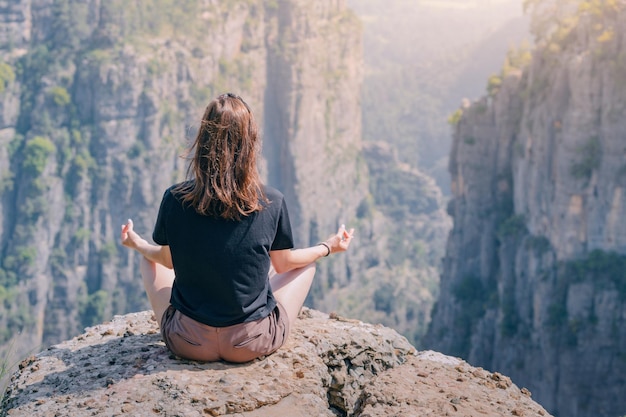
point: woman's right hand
(156, 253)
(130, 238)
(340, 241)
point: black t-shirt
(222, 266)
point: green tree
(60, 96)
(36, 154)
(7, 75)
(548, 16)
(552, 20)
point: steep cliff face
(97, 101)
(313, 125)
(534, 283)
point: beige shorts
(243, 342)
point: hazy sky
(422, 58)
(464, 4)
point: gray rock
(329, 367)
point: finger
(128, 226)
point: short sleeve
(159, 235)
(283, 238)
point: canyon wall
(533, 283)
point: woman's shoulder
(272, 193)
(174, 193)
(178, 188)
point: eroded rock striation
(330, 367)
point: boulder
(330, 366)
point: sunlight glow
(461, 4)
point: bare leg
(158, 281)
(291, 288)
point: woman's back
(221, 265)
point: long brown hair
(223, 162)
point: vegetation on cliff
(553, 21)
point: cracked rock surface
(329, 367)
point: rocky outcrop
(329, 367)
(533, 281)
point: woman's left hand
(340, 241)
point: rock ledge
(330, 367)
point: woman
(223, 280)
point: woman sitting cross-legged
(223, 279)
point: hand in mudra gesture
(130, 238)
(340, 241)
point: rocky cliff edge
(329, 367)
